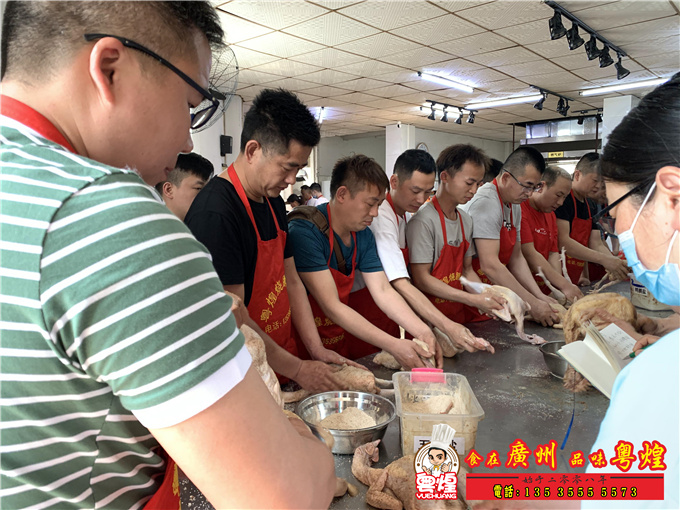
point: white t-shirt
(317, 201)
(390, 238)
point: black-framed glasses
(603, 219)
(204, 111)
(526, 187)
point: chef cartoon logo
(436, 464)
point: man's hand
(462, 337)
(316, 376)
(238, 308)
(408, 354)
(541, 312)
(434, 348)
(487, 303)
(617, 268)
(328, 356)
(572, 292)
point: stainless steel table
(520, 398)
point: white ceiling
(359, 59)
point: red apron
(167, 496)
(508, 238)
(449, 269)
(332, 335)
(362, 302)
(269, 305)
(580, 232)
(542, 235)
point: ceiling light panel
(475, 44)
(623, 86)
(379, 45)
(331, 58)
(391, 15)
(495, 15)
(280, 44)
(417, 57)
(331, 29)
(438, 30)
(446, 82)
(286, 13)
(240, 29)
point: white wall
(335, 147)
(332, 148)
(437, 141)
(207, 142)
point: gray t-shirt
(425, 238)
(488, 215)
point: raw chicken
(394, 487)
(572, 322)
(255, 346)
(385, 359)
(514, 309)
(351, 379)
(558, 295)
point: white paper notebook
(600, 356)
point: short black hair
(356, 173)
(276, 117)
(523, 157)
(315, 187)
(493, 170)
(452, 159)
(411, 160)
(440, 449)
(294, 198)
(303, 187)
(39, 38)
(589, 163)
(552, 173)
(194, 164)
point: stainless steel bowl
(556, 363)
(317, 407)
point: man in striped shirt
(116, 333)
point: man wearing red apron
(358, 186)
(577, 233)
(496, 215)
(241, 219)
(539, 232)
(441, 237)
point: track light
(459, 120)
(598, 117)
(539, 105)
(580, 120)
(557, 29)
(322, 114)
(592, 51)
(621, 72)
(503, 102)
(605, 59)
(560, 105)
(431, 115)
(445, 117)
(471, 118)
(563, 107)
(575, 40)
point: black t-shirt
(566, 210)
(219, 220)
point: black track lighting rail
(557, 7)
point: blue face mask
(663, 283)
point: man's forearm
(499, 274)
(435, 287)
(394, 306)
(302, 316)
(420, 303)
(279, 359)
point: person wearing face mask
(641, 168)
(539, 232)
